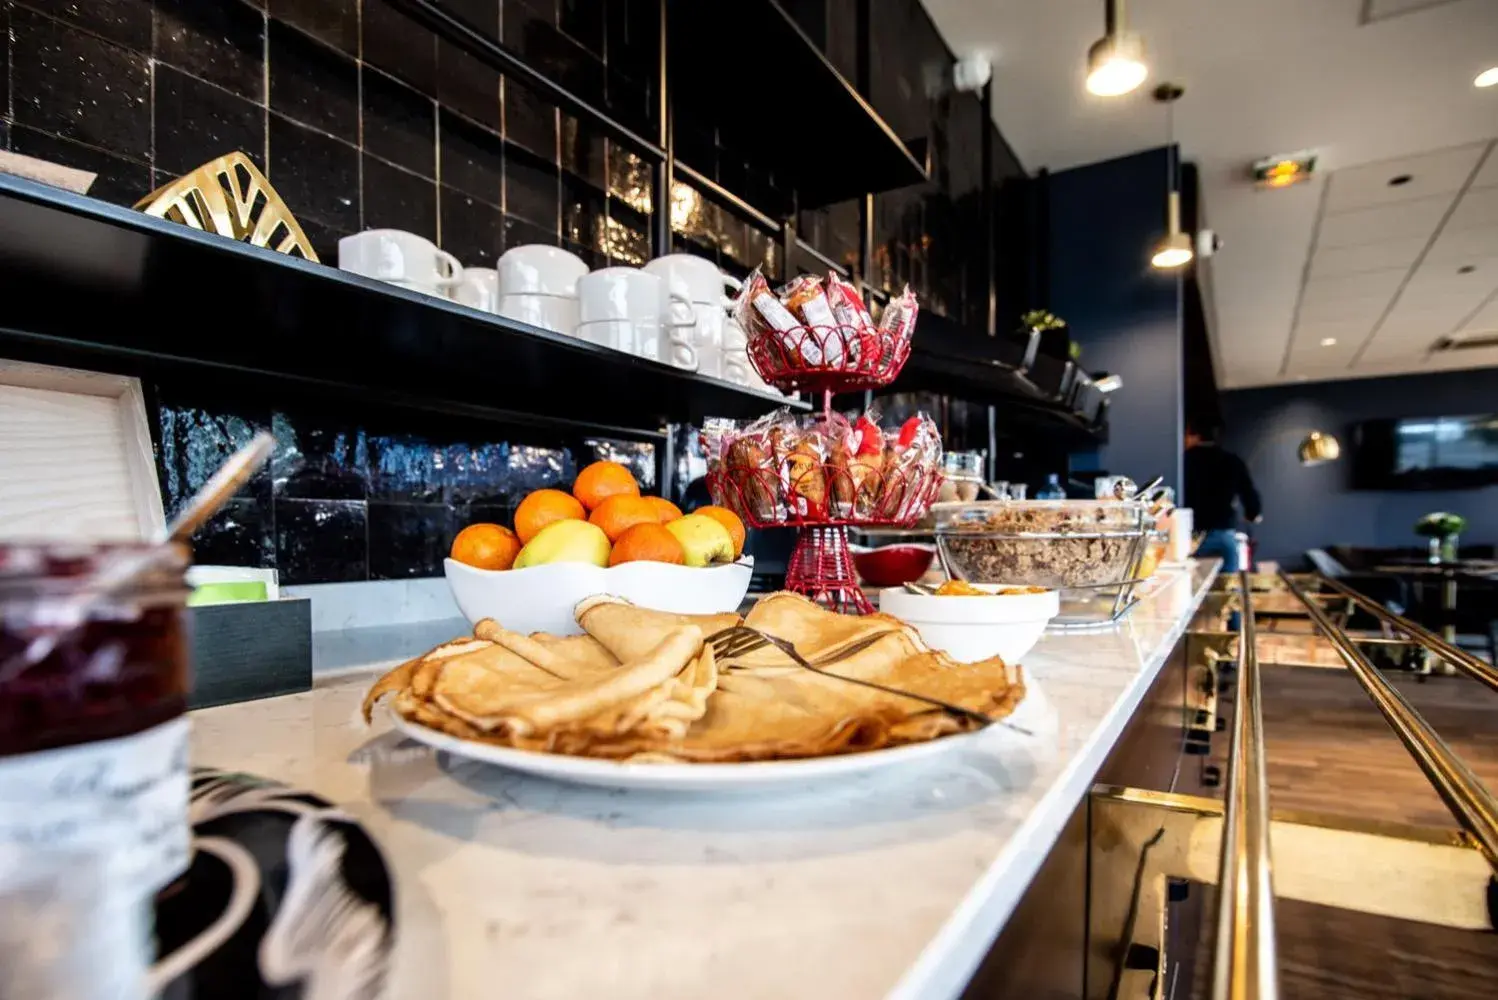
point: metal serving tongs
(738, 640)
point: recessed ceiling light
(1466, 269)
(1400, 180)
(1328, 341)
(1487, 78)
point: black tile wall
(346, 497)
(360, 117)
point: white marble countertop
(888, 885)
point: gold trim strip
(1246, 966)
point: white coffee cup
(696, 277)
(479, 288)
(550, 312)
(401, 257)
(635, 311)
(538, 269)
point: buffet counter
(893, 884)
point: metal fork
(740, 639)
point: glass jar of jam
(93, 695)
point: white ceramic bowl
(974, 628)
(541, 598)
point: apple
(565, 541)
(703, 540)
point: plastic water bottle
(1052, 489)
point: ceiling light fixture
(1115, 63)
(1319, 448)
(1487, 78)
(1399, 180)
(1328, 341)
(1175, 250)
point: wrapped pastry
(912, 455)
(854, 322)
(866, 468)
(839, 436)
(897, 324)
(758, 310)
(805, 476)
(820, 343)
(752, 473)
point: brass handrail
(1470, 803)
(1245, 966)
(1459, 658)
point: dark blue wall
(1105, 220)
(1315, 507)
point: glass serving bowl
(1044, 543)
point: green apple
(702, 539)
(565, 541)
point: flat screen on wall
(1426, 453)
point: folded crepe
(646, 685)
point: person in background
(1215, 478)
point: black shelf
(1006, 372)
(86, 279)
(749, 68)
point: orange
(619, 513)
(664, 509)
(487, 546)
(602, 480)
(649, 541)
(542, 508)
(729, 520)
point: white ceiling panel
(1478, 208)
(1364, 285)
(1488, 176)
(1333, 261)
(1418, 326)
(1378, 10)
(1406, 220)
(1313, 331)
(1365, 311)
(1486, 317)
(1430, 175)
(1460, 247)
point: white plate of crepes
(788, 694)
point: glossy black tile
(527, 25)
(637, 456)
(593, 258)
(406, 467)
(573, 66)
(534, 468)
(530, 122)
(397, 199)
(472, 230)
(584, 151)
(118, 180)
(583, 22)
(335, 22)
(199, 431)
(242, 534)
(78, 86)
(468, 86)
(632, 37)
(630, 103)
(196, 122)
(223, 43)
(399, 124)
(531, 189)
(398, 45)
(408, 540)
(313, 84)
(481, 473)
(481, 14)
(626, 235)
(316, 175)
(631, 179)
(472, 158)
(324, 239)
(480, 513)
(584, 215)
(125, 22)
(518, 233)
(321, 541)
(319, 458)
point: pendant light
(1115, 63)
(1319, 448)
(1175, 250)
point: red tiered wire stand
(827, 359)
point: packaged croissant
(866, 464)
(911, 456)
(759, 311)
(805, 472)
(837, 432)
(820, 343)
(898, 322)
(751, 470)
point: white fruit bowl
(541, 598)
(970, 629)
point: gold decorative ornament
(1318, 448)
(231, 197)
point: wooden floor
(1329, 750)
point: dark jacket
(1215, 478)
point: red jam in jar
(93, 695)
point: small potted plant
(1442, 529)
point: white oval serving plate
(1033, 716)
